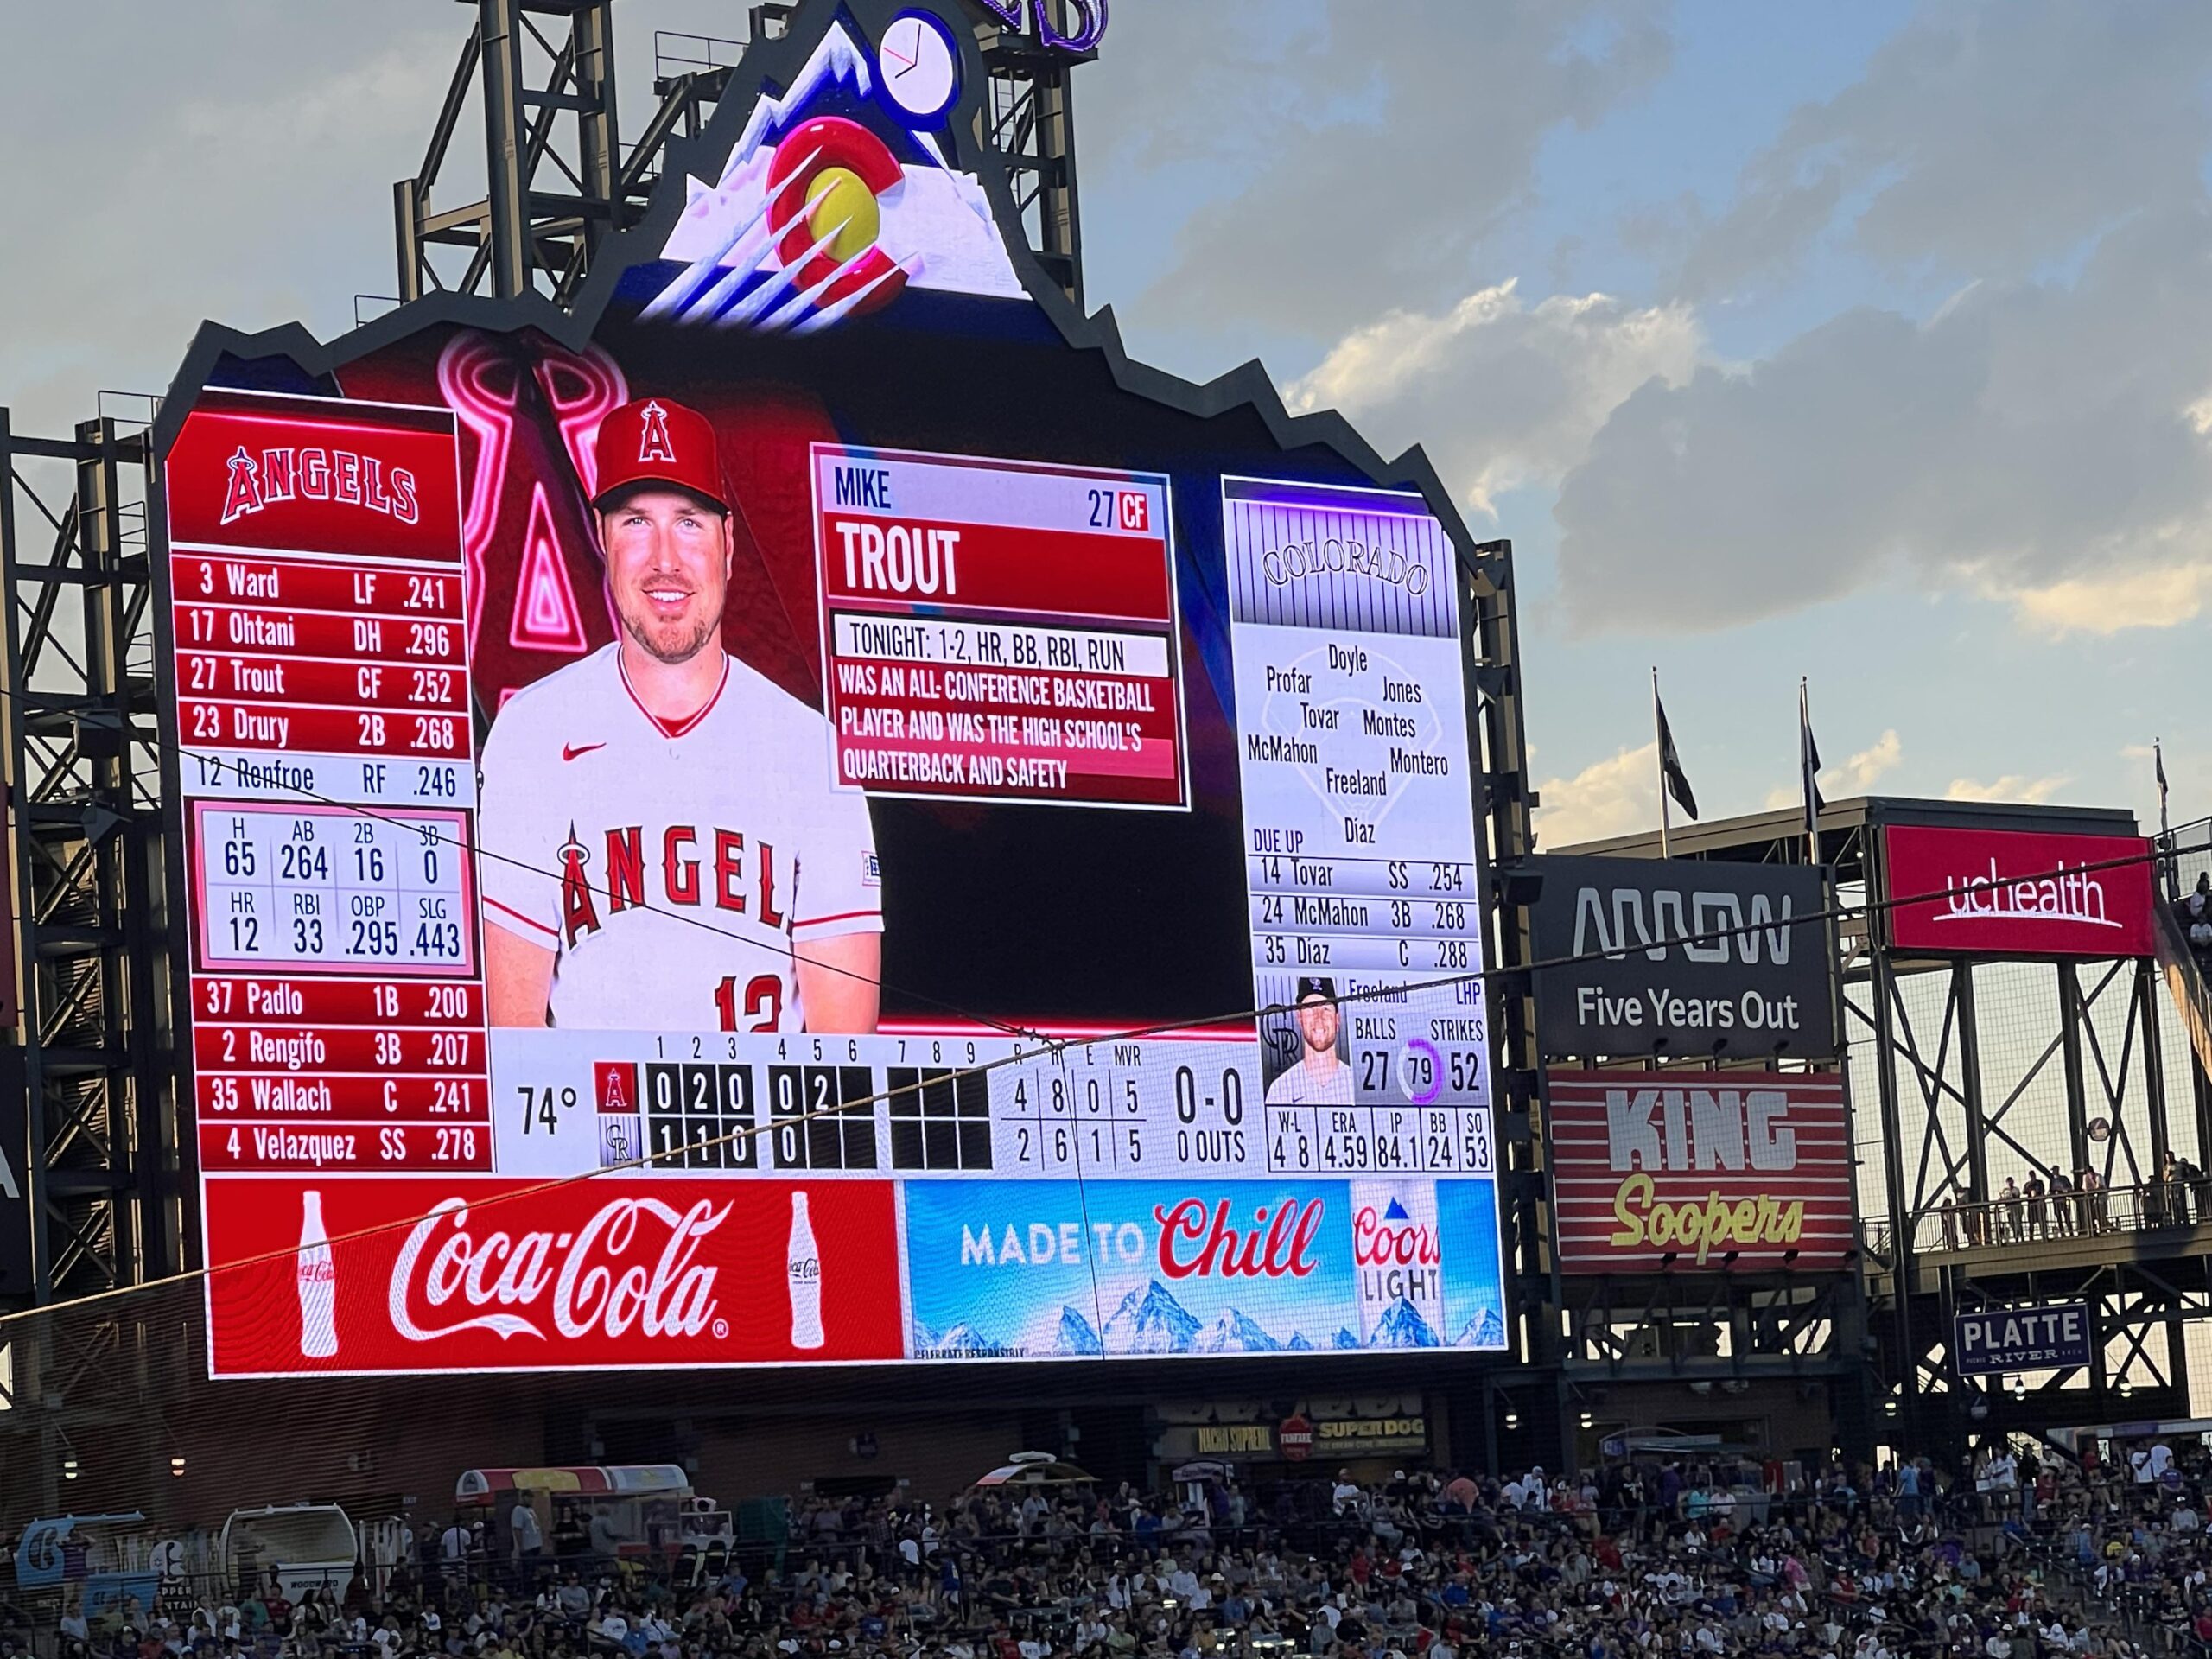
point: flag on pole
(2159, 760)
(1808, 766)
(1674, 778)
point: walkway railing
(2003, 1224)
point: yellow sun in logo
(839, 205)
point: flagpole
(2159, 760)
(1659, 760)
(1805, 770)
(2165, 829)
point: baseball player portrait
(1318, 1076)
(661, 848)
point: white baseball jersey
(670, 867)
(1301, 1086)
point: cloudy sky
(1868, 341)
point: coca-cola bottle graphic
(803, 1266)
(318, 1280)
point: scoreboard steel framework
(888, 999)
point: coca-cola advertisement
(1061, 1270)
(348, 1277)
(2017, 892)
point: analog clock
(920, 65)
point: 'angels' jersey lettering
(670, 868)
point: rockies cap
(660, 440)
(1321, 986)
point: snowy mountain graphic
(1150, 1321)
(1298, 1343)
(1235, 1332)
(1403, 1326)
(1075, 1335)
(962, 1338)
(1485, 1330)
(1344, 1338)
(936, 227)
(924, 1337)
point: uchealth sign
(355, 1278)
(1682, 957)
(1689, 1171)
(2017, 892)
(2054, 1336)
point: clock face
(920, 65)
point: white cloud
(1619, 796)
(1854, 776)
(2012, 786)
(1945, 151)
(1500, 392)
(1859, 773)
(240, 168)
(1369, 155)
(2031, 435)
(2147, 598)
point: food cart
(628, 1510)
(307, 1547)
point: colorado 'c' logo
(825, 214)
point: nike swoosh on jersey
(577, 751)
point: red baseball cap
(660, 440)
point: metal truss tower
(83, 775)
(558, 180)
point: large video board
(741, 844)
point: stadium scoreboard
(1122, 749)
(990, 630)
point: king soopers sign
(1681, 958)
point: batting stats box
(679, 808)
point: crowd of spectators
(1667, 1559)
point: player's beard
(672, 642)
